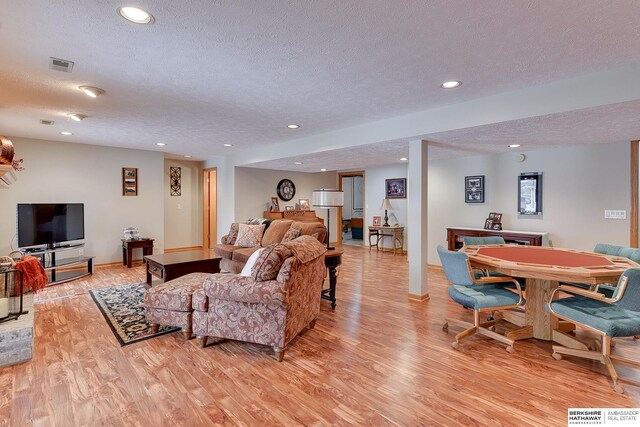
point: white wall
(58, 172)
(374, 194)
(183, 214)
(578, 184)
(255, 187)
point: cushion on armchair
(249, 235)
(238, 288)
(269, 262)
(292, 233)
(306, 248)
(309, 228)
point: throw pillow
(233, 234)
(292, 233)
(269, 262)
(246, 270)
(249, 235)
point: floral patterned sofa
(236, 247)
(271, 306)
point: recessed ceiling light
(297, 163)
(136, 15)
(451, 84)
(293, 126)
(77, 116)
(228, 145)
(323, 170)
(161, 144)
(66, 133)
(514, 145)
(91, 91)
(404, 159)
(188, 157)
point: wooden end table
(176, 264)
(129, 245)
(332, 259)
(380, 232)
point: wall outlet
(615, 214)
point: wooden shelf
(303, 216)
(533, 238)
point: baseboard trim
(419, 298)
(188, 248)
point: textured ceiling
(213, 72)
(610, 123)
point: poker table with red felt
(543, 268)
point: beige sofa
(235, 257)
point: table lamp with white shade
(327, 199)
(386, 205)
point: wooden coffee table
(176, 264)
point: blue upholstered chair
(618, 316)
(484, 294)
(612, 250)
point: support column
(417, 219)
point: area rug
(123, 309)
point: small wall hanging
(129, 181)
(395, 188)
(175, 176)
(474, 189)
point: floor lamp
(328, 199)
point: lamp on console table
(327, 199)
(386, 205)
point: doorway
(209, 207)
(352, 213)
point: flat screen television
(49, 224)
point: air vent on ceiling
(60, 64)
(46, 122)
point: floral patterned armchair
(271, 306)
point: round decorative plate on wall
(286, 189)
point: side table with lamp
(385, 230)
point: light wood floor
(379, 359)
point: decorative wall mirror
(530, 193)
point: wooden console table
(303, 216)
(129, 245)
(531, 238)
(380, 232)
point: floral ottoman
(170, 303)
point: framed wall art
(129, 181)
(175, 178)
(395, 188)
(530, 193)
(474, 189)
(304, 204)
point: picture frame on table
(395, 188)
(377, 221)
(289, 208)
(488, 224)
(275, 207)
(304, 204)
(474, 189)
(497, 217)
(496, 226)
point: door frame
(209, 211)
(346, 175)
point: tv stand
(71, 267)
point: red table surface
(545, 256)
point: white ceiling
(238, 71)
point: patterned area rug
(123, 309)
